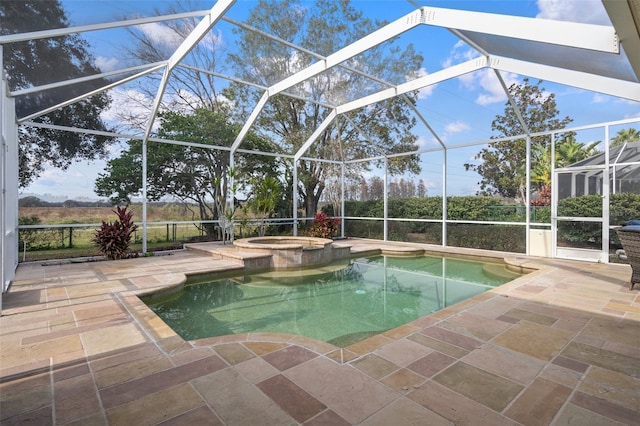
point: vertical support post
(144, 195)
(444, 198)
(231, 196)
(295, 197)
(386, 199)
(527, 196)
(342, 200)
(606, 198)
(554, 198)
(3, 180)
(9, 160)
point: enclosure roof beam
(628, 29)
(252, 118)
(385, 33)
(572, 34)
(89, 94)
(223, 76)
(258, 86)
(60, 32)
(316, 134)
(194, 37)
(419, 83)
(424, 121)
(364, 135)
(595, 83)
(513, 103)
(21, 92)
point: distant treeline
(32, 201)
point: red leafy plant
(323, 226)
(114, 238)
(544, 196)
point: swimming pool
(339, 303)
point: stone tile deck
(558, 346)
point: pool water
(339, 303)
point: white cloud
(460, 52)
(129, 108)
(212, 41)
(599, 99)
(425, 92)
(584, 11)
(106, 64)
(456, 127)
(422, 142)
(486, 82)
(161, 34)
(54, 177)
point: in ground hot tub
(294, 252)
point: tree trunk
(311, 199)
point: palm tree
(625, 135)
(570, 151)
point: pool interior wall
(341, 303)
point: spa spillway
(294, 252)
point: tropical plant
(264, 199)
(323, 226)
(114, 238)
(568, 151)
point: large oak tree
(324, 27)
(41, 61)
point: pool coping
(156, 327)
(564, 335)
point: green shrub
(114, 238)
(39, 239)
(622, 207)
(507, 238)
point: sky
(459, 110)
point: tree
(422, 189)
(196, 176)
(624, 136)
(376, 188)
(33, 63)
(323, 27)
(502, 166)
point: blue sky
(460, 110)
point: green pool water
(339, 303)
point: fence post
(70, 236)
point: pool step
(498, 271)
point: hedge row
(622, 207)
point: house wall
(9, 186)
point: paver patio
(560, 345)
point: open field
(73, 241)
(166, 230)
(63, 215)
